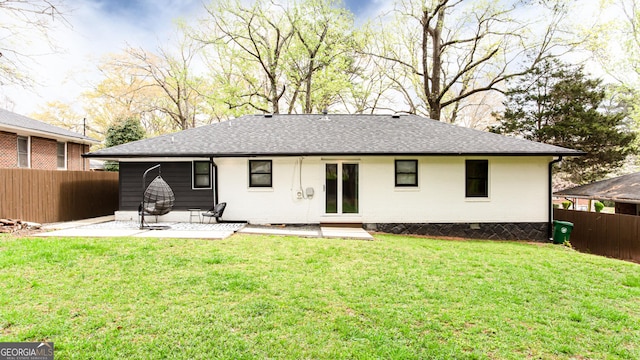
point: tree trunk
(435, 108)
(274, 95)
(425, 58)
(435, 112)
(294, 98)
(307, 101)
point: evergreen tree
(559, 105)
(121, 133)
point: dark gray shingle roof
(624, 188)
(19, 121)
(282, 135)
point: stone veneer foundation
(490, 231)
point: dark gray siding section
(177, 174)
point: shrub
(566, 204)
(598, 206)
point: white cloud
(94, 31)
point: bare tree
(370, 86)
(321, 54)
(120, 95)
(610, 38)
(179, 93)
(250, 43)
(270, 57)
(478, 110)
(170, 75)
(448, 50)
(22, 21)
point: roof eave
(291, 154)
(597, 197)
(50, 135)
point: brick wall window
(23, 151)
(62, 156)
(35, 152)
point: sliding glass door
(341, 188)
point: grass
(263, 297)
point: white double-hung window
(23, 151)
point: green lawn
(284, 297)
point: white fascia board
(156, 159)
(596, 197)
(47, 135)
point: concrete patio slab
(105, 226)
(78, 223)
(283, 231)
(345, 233)
(184, 234)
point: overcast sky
(100, 27)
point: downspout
(550, 227)
(215, 181)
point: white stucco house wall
(392, 173)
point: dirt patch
(25, 233)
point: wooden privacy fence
(612, 235)
(47, 196)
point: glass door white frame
(341, 188)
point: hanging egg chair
(157, 198)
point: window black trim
(270, 173)
(194, 174)
(415, 184)
(471, 175)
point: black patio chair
(215, 212)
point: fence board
(627, 237)
(612, 235)
(599, 237)
(47, 196)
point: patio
(106, 226)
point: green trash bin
(561, 231)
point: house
(623, 190)
(29, 143)
(390, 173)
(96, 165)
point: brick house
(29, 143)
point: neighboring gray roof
(95, 164)
(14, 120)
(621, 189)
(289, 135)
